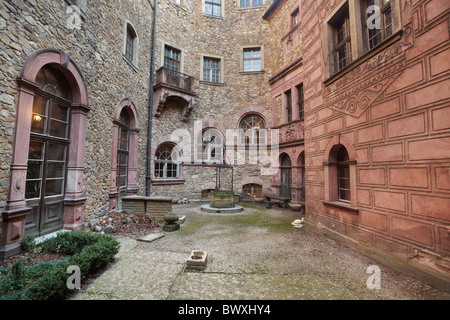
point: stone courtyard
(252, 255)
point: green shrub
(28, 244)
(48, 280)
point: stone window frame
(256, 138)
(182, 55)
(359, 48)
(331, 174)
(178, 163)
(132, 188)
(291, 17)
(129, 27)
(14, 217)
(222, 71)
(222, 10)
(242, 49)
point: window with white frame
(250, 3)
(213, 8)
(166, 163)
(253, 130)
(252, 59)
(211, 69)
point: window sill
(164, 182)
(131, 64)
(366, 56)
(212, 16)
(212, 83)
(341, 205)
(250, 8)
(252, 72)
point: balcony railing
(174, 79)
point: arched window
(252, 191)
(340, 178)
(123, 146)
(343, 175)
(286, 176)
(47, 156)
(210, 147)
(166, 162)
(252, 130)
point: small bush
(28, 244)
(48, 281)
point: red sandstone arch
(14, 217)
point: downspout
(150, 102)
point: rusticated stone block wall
(400, 137)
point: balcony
(174, 88)
(174, 80)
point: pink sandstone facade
(388, 107)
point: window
(252, 59)
(340, 178)
(131, 45)
(250, 3)
(301, 101)
(172, 58)
(123, 152)
(378, 21)
(356, 27)
(252, 130)
(206, 194)
(213, 8)
(210, 147)
(343, 176)
(166, 163)
(211, 69)
(288, 95)
(252, 191)
(295, 18)
(342, 49)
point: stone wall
(216, 105)
(398, 133)
(97, 49)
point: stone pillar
(113, 192)
(14, 216)
(132, 189)
(74, 197)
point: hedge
(88, 251)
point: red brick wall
(400, 136)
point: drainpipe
(150, 102)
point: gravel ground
(256, 254)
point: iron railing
(174, 79)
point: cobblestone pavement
(252, 255)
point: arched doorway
(124, 154)
(301, 176)
(47, 167)
(47, 156)
(286, 176)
